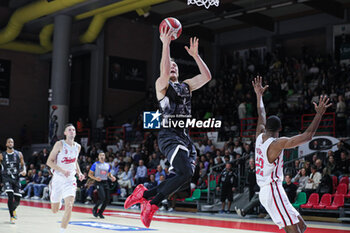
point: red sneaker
(135, 197)
(147, 212)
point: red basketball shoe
(147, 212)
(135, 197)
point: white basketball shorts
(275, 201)
(62, 187)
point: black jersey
(176, 103)
(10, 165)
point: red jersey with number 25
(267, 172)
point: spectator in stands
(43, 181)
(340, 148)
(227, 184)
(301, 178)
(115, 168)
(89, 190)
(208, 147)
(314, 156)
(30, 186)
(218, 158)
(125, 179)
(297, 165)
(247, 152)
(307, 167)
(34, 159)
(219, 165)
(44, 154)
(326, 184)
(343, 165)
(202, 176)
(290, 188)
(92, 153)
(159, 173)
(161, 179)
(331, 167)
(153, 161)
(201, 147)
(128, 130)
(141, 173)
(151, 183)
(319, 166)
(313, 181)
(251, 179)
(237, 147)
(81, 189)
(253, 191)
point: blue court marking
(109, 226)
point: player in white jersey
(63, 160)
(269, 161)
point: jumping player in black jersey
(175, 100)
(11, 162)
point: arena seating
(337, 202)
(344, 180)
(325, 201)
(341, 189)
(301, 200)
(313, 200)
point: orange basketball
(173, 24)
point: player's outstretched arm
(259, 91)
(205, 76)
(165, 65)
(285, 143)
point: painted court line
(231, 224)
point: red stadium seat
(313, 200)
(341, 189)
(326, 200)
(348, 195)
(337, 202)
(344, 180)
(335, 183)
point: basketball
(174, 24)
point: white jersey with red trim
(67, 157)
(267, 172)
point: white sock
(62, 230)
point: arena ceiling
(228, 16)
